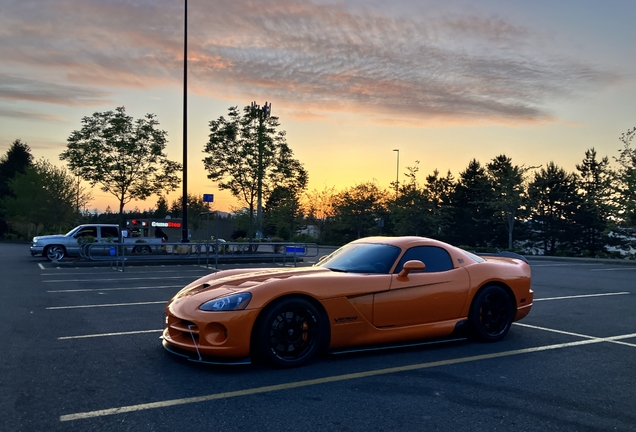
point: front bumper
(211, 337)
(37, 250)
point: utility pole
(261, 115)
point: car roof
(404, 242)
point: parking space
(83, 352)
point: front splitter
(193, 357)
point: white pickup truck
(56, 247)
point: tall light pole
(397, 174)
(184, 203)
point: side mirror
(409, 266)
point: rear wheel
(142, 249)
(55, 253)
(491, 314)
(289, 333)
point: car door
(438, 293)
(107, 236)
(87, 234)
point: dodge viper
(375, 291)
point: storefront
(154, 228)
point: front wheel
(55, 253)
(491, 314)
(290, 333)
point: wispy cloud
(29, 115)
(26, 89)
(312, 58)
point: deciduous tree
(318, 206)
(358, 209)
(246, 149)
(45, 195)
(125, 157)
(411, 212)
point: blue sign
(208, 197)
(113, 252)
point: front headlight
(232, 302)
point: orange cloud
(461, 68)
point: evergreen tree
(439, 193)
(596, 186)
(473, 212)
(627, 179)
(16, 161)
(508, 192)
(161, 210)
(282, 213)
(554, 203)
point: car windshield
(362, 258)
(71, 232)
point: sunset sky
(443, 82)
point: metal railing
(203, 252)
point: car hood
(226, 282)
(267, 284)
(49, 237)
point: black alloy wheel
(289, 333)
(491, 314)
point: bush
(304, 238)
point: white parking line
(110, 272)
(565, 265)
(109, 334)
(329, 379)
(116, 279)
(115, 289)
(570, 333)
(106, 305)
(615, 269)
(41, 266)
(582, 296)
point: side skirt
(459, 334)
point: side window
(110, 232)
(86, 232)
(435, 258)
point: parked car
(56, 247)
(371, 292)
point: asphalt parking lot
(82, 352)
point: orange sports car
(375, 291)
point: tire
(289, 333)
(142, 250)
(55, 253)
(491, 314)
